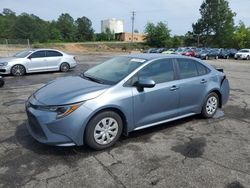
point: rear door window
(160, 71)
(187, 68)
(51, 53)
(202, 70)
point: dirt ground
(191, 152)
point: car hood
(8, 59)
(68, 90)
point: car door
(54, 58)
(159, 103)
(37, 61)
(193, 78)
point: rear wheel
(18, 70)
(103, 130)
(64, 67)
(210, 106)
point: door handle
(174, 87)
(203, 81)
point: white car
(243, 54)
(37, 60)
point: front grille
(2, 70)
(35, 126)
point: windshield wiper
(91, 78)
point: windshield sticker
(138, 60)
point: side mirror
(144, 83)
(29, 57)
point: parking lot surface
(191, 152)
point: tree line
(215, 28)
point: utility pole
(133, 20)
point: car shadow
(23, 138)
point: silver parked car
(121, 95)
(37, 60)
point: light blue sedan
(121, 95)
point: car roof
(152, 56)
(38, 49)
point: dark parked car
(210, 54)
(1, 81)
(227, 53)
(121, 95)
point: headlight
(3, 63)
(61, 111)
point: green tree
(31, 27)
(7, 21)
(108, 35)
(158, 35)
(84, 31)
(242, 36)
(54, 32)
(216, 25)
(65, 25)
(177, 41)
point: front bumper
(5, 70)
(46, 128)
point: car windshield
(113, 70)
(23, 54)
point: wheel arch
(118, 111)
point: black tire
(207, 110)
(64, 67)
(18, 70)
(1, 82)
(92, 129)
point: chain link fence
(9, 47)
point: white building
(113, 24)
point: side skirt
(164, 121)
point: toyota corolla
(121, 95)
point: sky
(177, 14)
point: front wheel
(210, 106)
(103, 130)
(18, 70)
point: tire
(97, 136)
(247, 57)
(1, 82)
(216, 57)
(18, 70)
(64, 67)
(210, 106)
(206, 58)
(227, 57)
